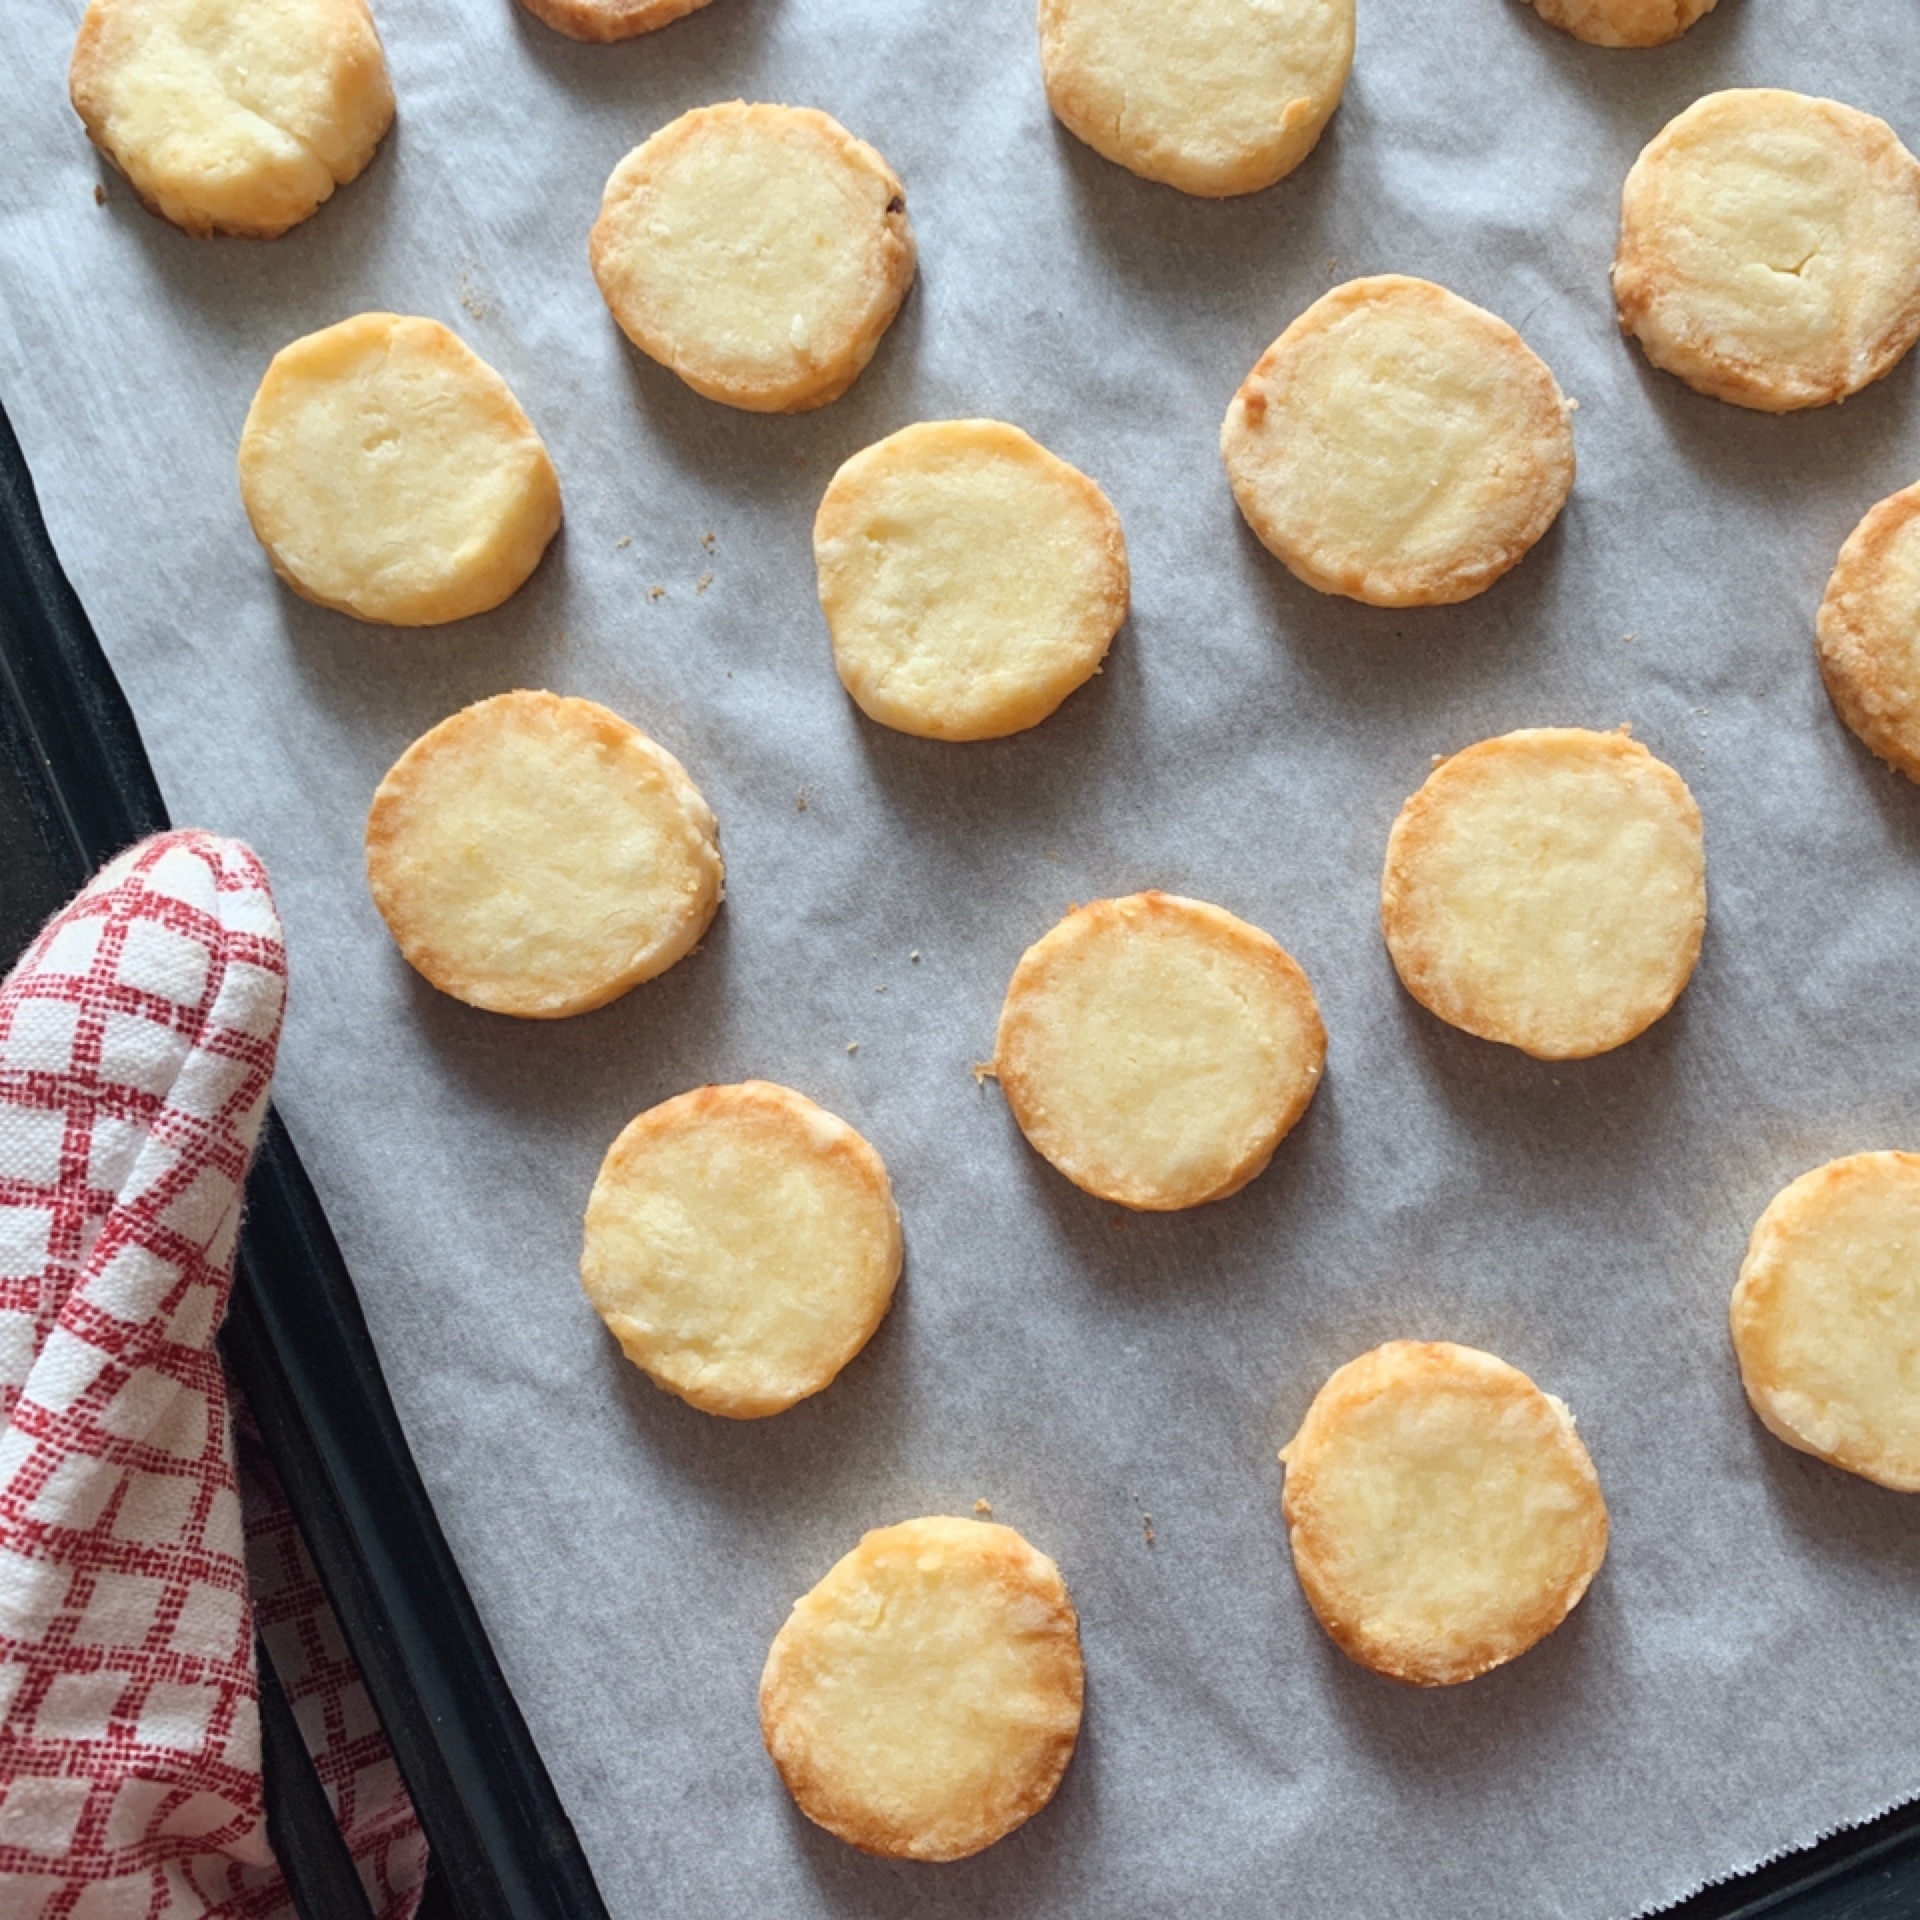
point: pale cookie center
(748, 249)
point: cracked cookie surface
(1769, 249)
(232, 116)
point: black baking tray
(75, 787)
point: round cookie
(1547, 889)
(758, 251)
(1443, 1514)
(924, 1699)
(538, 856)
(1156, 1050)
(1623, 23)
(1869, 631)
(742, 1245)
(1225, 98)
(1399, 445)
(232, 116)
(1770, 249)
(390, 473)
(1826, 1316)
(970, 579)
(607, 20)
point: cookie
(1623, 23)
(606, 20)
(232, 116)
(1770, 249)
(538, 856)
(970, 580)
(1225, 98)
(1869, 631)
(1443, 1514)
(1826, 1316)
(1399, 445)
(760, 252)
(1547, 889)
(390, 473)
(924, 1699)
(742, 1245)
(1156, 1050)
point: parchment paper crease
(1743, 1675)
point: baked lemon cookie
(760, 252)
(390, 473)
(970, 579)
(232, 116)
(609, 19)
(1399, 445)
(1826, 1316)
(1624, 23)
(1869, 631)
(742, 1245)
(1443, 1514)
(924, 1699)
(1156, 1050)
(1770, 249)
(1224, 97)
(1547, 889)
(538, 856)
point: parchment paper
(1742, 1676)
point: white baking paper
(1743, 1675)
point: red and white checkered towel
(137, 1039)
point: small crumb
(625, 540)
(474, 303)
(703, 583)
(853, 1046)
(1119, 1220)
(706, 540)
(656, 593)
(1699, 709)
(983, 1071)
(1051, 855)
(802, 461)
(800, 801)
(1333, 264)
(914, 956)
(1626, 639)
(1146, 1527)
(879, 989)
(983, 1506)
(99, 193)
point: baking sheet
(1741, 1677)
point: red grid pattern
(137, 1039)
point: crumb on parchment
(703, 583)
(983, 1506)
(983, 1071)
